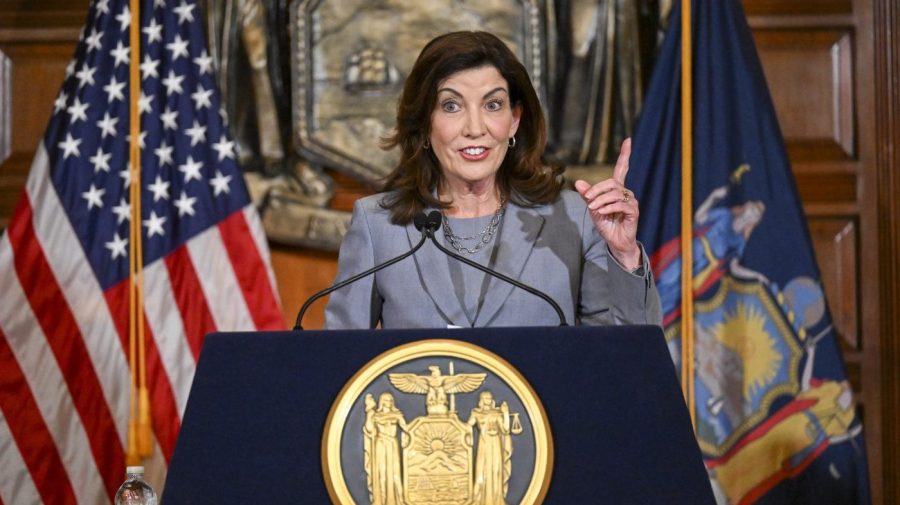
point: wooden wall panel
(38, 68)
(835, 243)
(811, 83)
(826, 188)
(301, 273)
(795, 8)
(5, 106)
(881, 79)
(41, 16)
(38, 40)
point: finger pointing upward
(621, 169)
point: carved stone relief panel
(350, 59)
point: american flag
(64, 373)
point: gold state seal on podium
(437, 422)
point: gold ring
(625, 195)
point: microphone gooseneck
(423, 223)
(433, 222)
(428, 225)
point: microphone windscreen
(419, 220)
(434, 220)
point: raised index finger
(621, 169)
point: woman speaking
(472, 135)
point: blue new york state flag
(776, 421)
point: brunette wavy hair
(525, 177)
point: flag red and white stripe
(64, 385)
(65, 381)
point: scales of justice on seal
(437, 423)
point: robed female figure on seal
(382, 450)
(494, 456)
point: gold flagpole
(139, 432)
(132, 454)
(687, 208)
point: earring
(512, 142)
(427, 144)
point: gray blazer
(554, 248)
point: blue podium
(252, 431)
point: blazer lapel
(434, 274)
(519, 232)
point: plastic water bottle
(135, 491)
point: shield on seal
(437, 461)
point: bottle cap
(135, 469)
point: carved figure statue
(249, 43)
(604, 53)
(383, 450)
(493, 461)
(240, 45)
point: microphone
(425, 224)
(431, 222)
(435, 217)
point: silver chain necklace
(484, 237)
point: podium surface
(257, 409)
